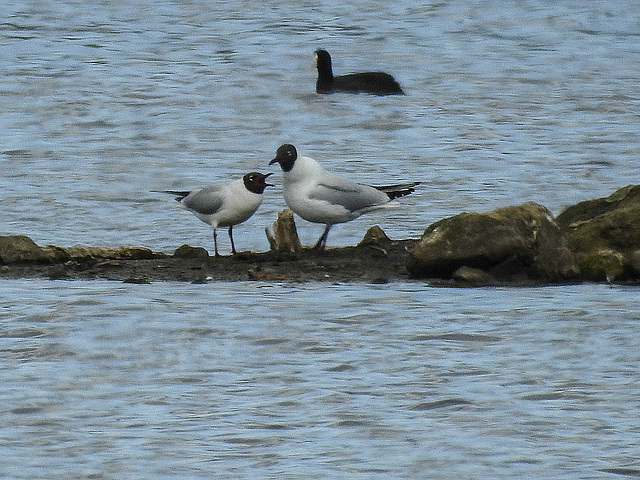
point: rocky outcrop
(604, 235)
(519, 243)
(594, 240)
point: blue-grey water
(103, 102)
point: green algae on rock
(604, 234)
(517, 243)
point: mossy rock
(603, 265)
(524, 236)
(628, 196)
(20, 248)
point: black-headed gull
(320, 196)
(376, 83)
(225, 204)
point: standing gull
(320, 196)
(225, 204)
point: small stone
(137, 280)
(285, 235)
(187, 251)
(375, 236)
(473, 276)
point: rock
(634, 262)
(187, 251)
(595, 240)
(20, 248)
(117, 253)
(81, 253)
(375, 237)
(285, 235)
(602, 265)
(625, 197)
(512, 243)
(132, 253)
(604, 234)
(473, 276)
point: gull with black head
(320, 196)
(225, 204)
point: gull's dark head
(286, 156)
(256, 182)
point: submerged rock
(604, 234)
(517, 243)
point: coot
(376, 83)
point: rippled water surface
(506, 102)
(249, 380)
(102, 380)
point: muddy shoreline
(374, 263)
(369, 264)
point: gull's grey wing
(351, 195)
(206, 201)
